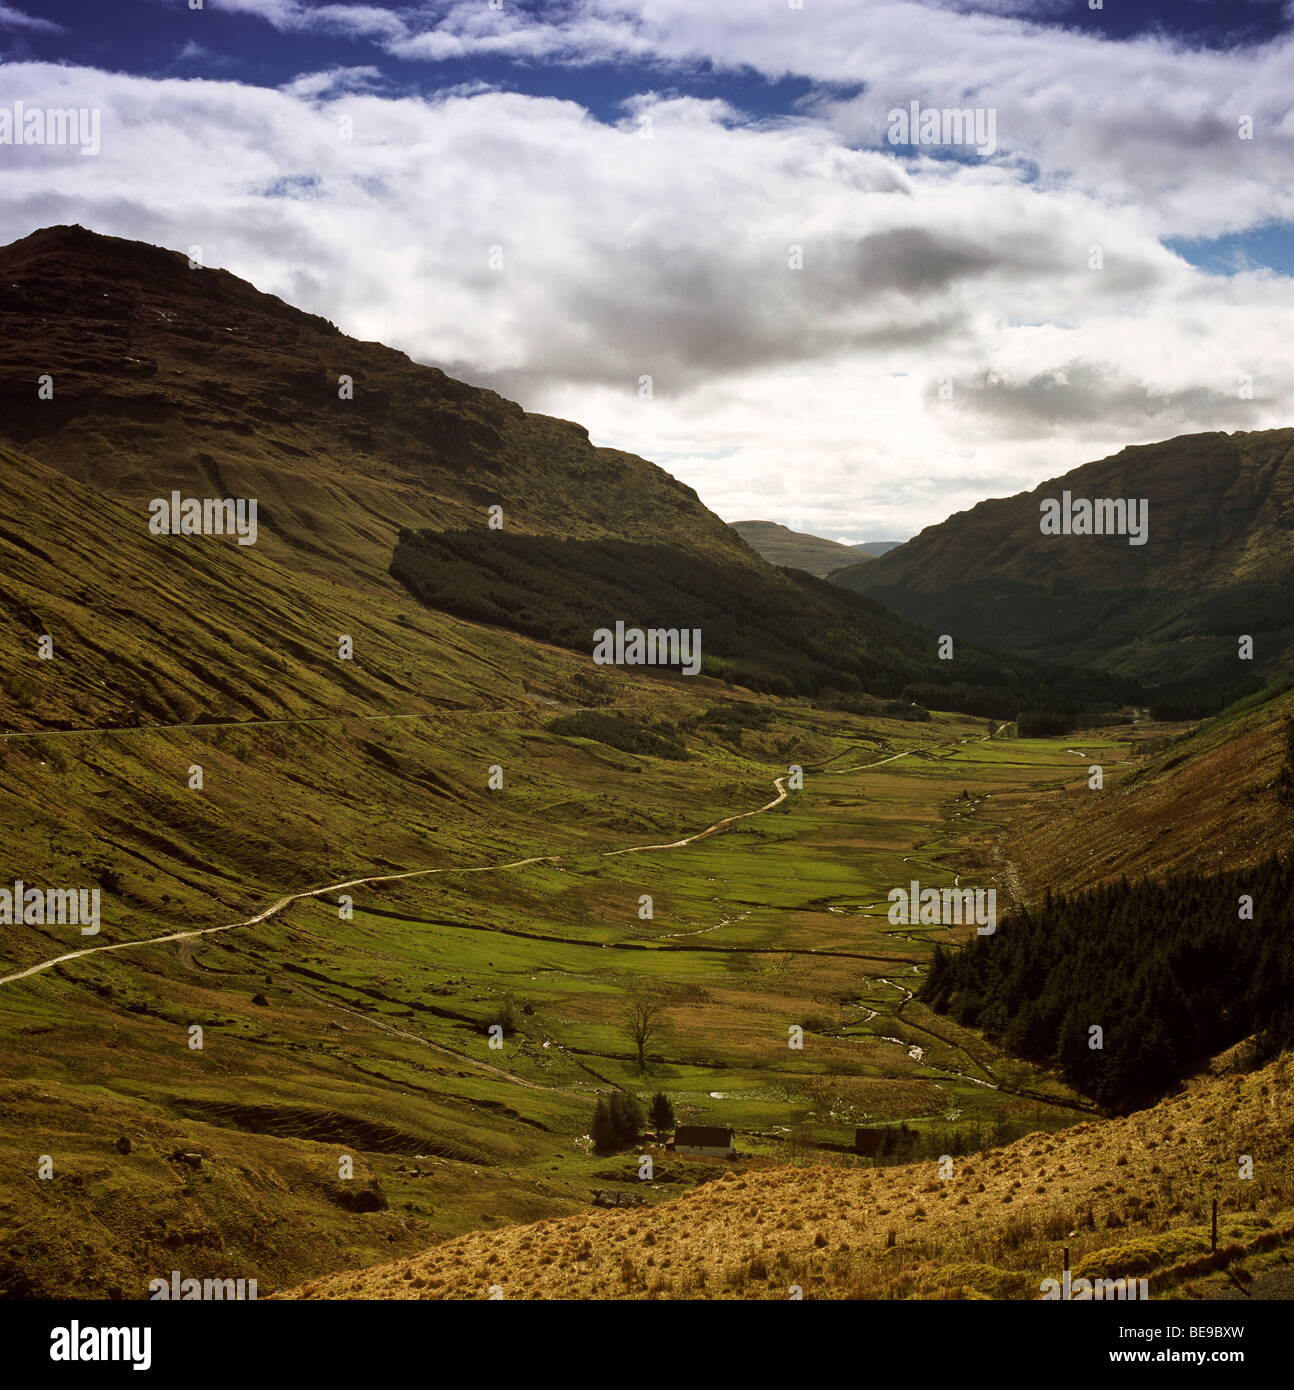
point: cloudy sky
(696, 226)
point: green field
(366, 1035)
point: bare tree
(643, 1018)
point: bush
(615, 731)
(505, 1017)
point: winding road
(280, 903)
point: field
(364, 1034)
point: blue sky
(648, 173)
(144, 37)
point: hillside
(780, 545)
(170, 378)
(1129, 1197)
(1217, 562)
(1197, 800)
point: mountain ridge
(137, 343)
(1220, 545)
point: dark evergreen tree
(1168, 968)
(603, 1128)
(661, 1113)
(627, 1118)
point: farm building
(711, 1140)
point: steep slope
(141, 377)
(780, 545)
(1127, 1196)
(166, 377)
(1218, 562)
(1197, 801)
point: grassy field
(366, 1035)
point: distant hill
(1217, 562)
(876, 548)
(795, 549)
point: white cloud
(334, 81)
(799, 394)
(19, 19)
(357, 21)
(1148, 120)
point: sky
(711, 230)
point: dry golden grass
(1128, 1195)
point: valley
(367, 1033)
(385, 858)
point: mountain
(140, 377)
(876, 548)
(170, 378)
(779, 545)
(1217, 562)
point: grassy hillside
(1216, 564)
(1195, 799)
(166, 377)
(1128, 1197)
